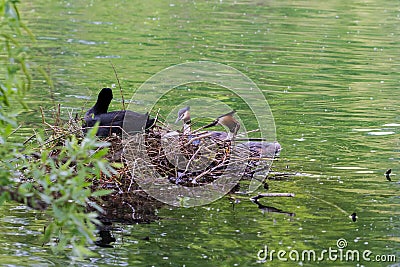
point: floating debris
(381, 133)
(271, 209)
(387, 175)
(353, 216)
(266, 186)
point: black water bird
(115, 121)
(105, 239)
(353, 216)
(387, 175)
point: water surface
(329, 71)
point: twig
(156, 117)
(44, 121)
(271, 195)
(59, 137)
(331, 204)
(132, 178)
(58, 115)
(198, 129)
(199, 137)
(191, 159)
(119, 84)
(27, 140)
(13, 132)
(30, 201)
(194, 181)
(251, 131)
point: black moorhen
(113, 122)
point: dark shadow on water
(270, 209)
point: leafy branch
(58, 182)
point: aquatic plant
(58, 183)
(15, 79)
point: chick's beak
(211, 124)
(179, 118)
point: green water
(329, 70)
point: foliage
(17, 78)
(15, 81)
(62, 184)
(13, 61)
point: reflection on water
(329, 71)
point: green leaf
(5, 196)
(102, 192)
(48, 232)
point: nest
(165, 157)
(158, 156)
(182, 161)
